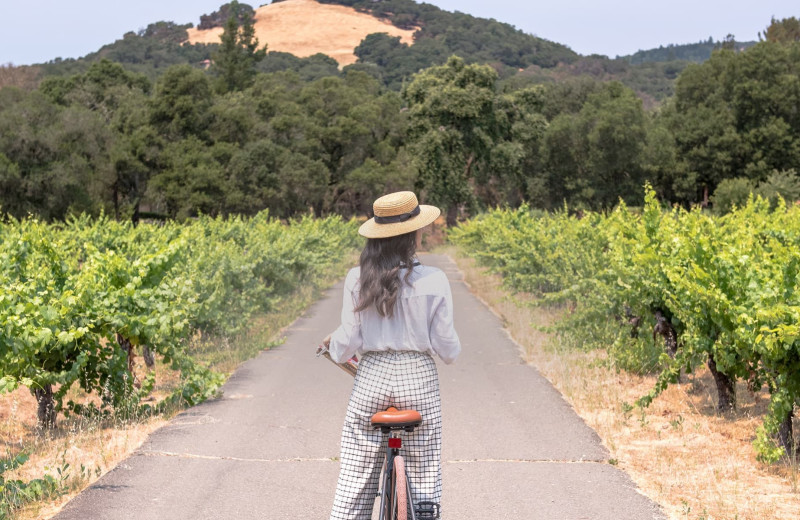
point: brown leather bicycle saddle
(394, 418)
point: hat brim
(427, 214)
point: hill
(389, 39)
(305, 27)
(692, 52)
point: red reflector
(395, 442)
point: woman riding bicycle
(396, 314)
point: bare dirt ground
(306, 27)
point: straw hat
(396, 214)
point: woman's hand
(325, 344)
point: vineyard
(80, 299)
(665, 291)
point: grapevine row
(702, 289)
(78, 298)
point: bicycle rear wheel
(400, 488)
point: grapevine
(715, 290)
(78, 299)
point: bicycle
(395, 490)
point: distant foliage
(786, 30)
(309, 68)
(471, 38)
(149, 51)
(732, 192)
(162, 129)
(242, 13)
(395, 61)
(109, 140)
(440, 34)
(653, 81)
(780, 185)
(24, 77)
(165, 32)
(692, 52)
(234, 62)
(736, 115)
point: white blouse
(422, 320)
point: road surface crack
(529, 461)
(235, 459)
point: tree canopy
(295, 135)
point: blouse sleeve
(444, 339)
(346, 340)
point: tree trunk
(116, 199)
(468, 167)
(126, 345)
(664, 328)
(135, 217)
(785, 434)
(726, 388)
(46, 412)
(632, 320)
(149, 357)
(452, 216)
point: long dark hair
(381, 261)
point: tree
(264, 175)
(25, 77)
(135, 156)
(732, 192)
(786, 30)
(736, 115)
(472, 144)
(119, 97)
(596, 156)
(784, 184)
(660, 161)
(453, 129)
(181, 104)
(241, 12)
(234, 63)
(515, 172)
(10, 188)
(192, 179)
(55, 157)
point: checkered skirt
(405, 380)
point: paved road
(513, 448)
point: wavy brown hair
(381, 261)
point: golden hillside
(306, 27)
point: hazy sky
(37, 31)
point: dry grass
(90, 446)
(306, 27)
(679, 451)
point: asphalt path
(269, 447)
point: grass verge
(681, 453)
(80, 450)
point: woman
(396, 314)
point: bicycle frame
(388, 497)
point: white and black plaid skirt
(405, 380)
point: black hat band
(394, 219)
